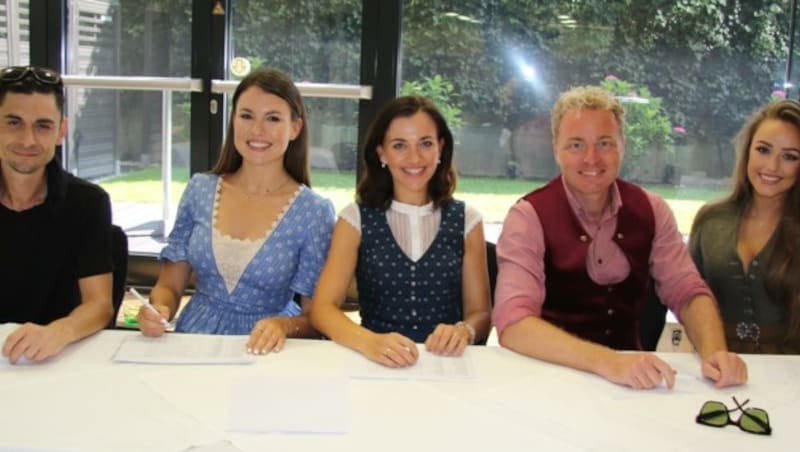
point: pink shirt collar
(616, 203)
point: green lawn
(491, 196)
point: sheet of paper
(290, 404)
(218, 446)
(176, 348)
(688, 381)
(427, 367)
(5, 330)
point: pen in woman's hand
(147, 305)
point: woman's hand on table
(268, 335)
(391, 350)
(448, 340)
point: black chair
(491, 262)
(652, 320)
(119, 259)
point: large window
(14, 33)
(320, 45)
(689, 73)
(121, 134)
(118, 136)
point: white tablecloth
(81, 400)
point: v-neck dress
(410, 297)
(754, 322)
(288, 261)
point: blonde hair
(586, 98)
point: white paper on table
(688, 380)
(290, 404)
(34, 449)
(5, 330)
(218, 446)
(176, 348)
(428, 367)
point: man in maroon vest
(576, 258)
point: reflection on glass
(14, 33)
(116, 136)
(311, 40)
(688, 75)
(320, 45)
(122, 152)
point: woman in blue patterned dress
(418, 255)
(251, 230)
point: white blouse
(413, 227)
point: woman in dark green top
(747, 246)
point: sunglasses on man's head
(752, 420)
(42, 75)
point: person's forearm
(481, 322)
(703, 324)
(94, 312)
(540, 339)
(86, 319)
(300, 326)
(329, 320)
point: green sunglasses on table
(752, 420)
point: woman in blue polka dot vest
(251, 230)
(418, 255)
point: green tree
(711, 61)
(647, 127)
(440, 91)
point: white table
(83, 401)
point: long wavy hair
(295, 159)
(376, 188)
(781, 275)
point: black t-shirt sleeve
(93, 234)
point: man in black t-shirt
(55, 229)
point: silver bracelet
(470, 329)
(292, 326)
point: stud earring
(383, 164)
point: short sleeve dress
(287, 263)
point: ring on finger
(386, 352)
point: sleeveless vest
(396, 294)
(605, 314)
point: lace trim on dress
(232, 254)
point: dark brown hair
(295, 160)
(781, 280)
(376, 188)
(30, 83)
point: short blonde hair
(586, 98)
